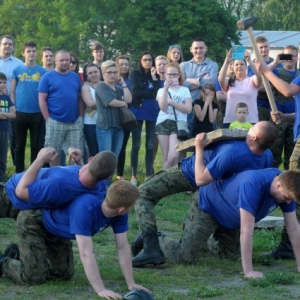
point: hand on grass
(254, 274)
(107, 294)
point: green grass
(210, 278)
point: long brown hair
(210, 87)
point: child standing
(205, 110)
(7, 111)
(241, 112)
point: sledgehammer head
(246, 23)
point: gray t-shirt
(108, 116)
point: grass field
(211, 277)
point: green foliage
(123, 26)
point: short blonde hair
(108, 64)
(122, 193)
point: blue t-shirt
(225, 159)
(287, 107)
(297, 111)
(249, 190)
(53, 188)
(63, 91)
(27, 79)
(5, 104)
(83, 216)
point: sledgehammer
(246, 24)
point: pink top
(242, 91)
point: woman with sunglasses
(175, 54)
(74, 63)
(144, 86)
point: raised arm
(85, 246)
(287, 89)
(46, 155)
(202, 175)
(223, 80)
(246, 240)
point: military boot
(284, 249)
(151, 252)
(137, 244)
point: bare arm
(185, 108)
(43, 105)
(257, 77)
(127, 93)
(212, 116)
(202, 175)
(85, 246)
(293, 229)
(124, 255)
(46, 155)
(287, 89)
(13, 90)
(246, 240)
(223, 80)
(201, 112)
(87, 98)
(11, 114)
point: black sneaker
(12, 251)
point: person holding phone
(239, 87)
(172, 99)
(144, 86)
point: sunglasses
(73, 62)
(175, 46)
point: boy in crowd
(7, 112)
(241, 112)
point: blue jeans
(136, 144)
(91, 138)
(110, 139)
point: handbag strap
(173, 107)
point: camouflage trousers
(284, 142)
(42, 255)
(6, 208)
(200, 232)
(161, 184)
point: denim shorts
(167, 127)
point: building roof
(277, 39)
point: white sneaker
(134, 181)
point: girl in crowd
(175, 54)
(123, 64)
(109, 98)
(91, 115)
(205, 110)
(144, 86)
(239, 87)
(173, 99)
(74, 63)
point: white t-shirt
(91, 118)
(242, 91)
(179, 96)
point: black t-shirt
(205, 125)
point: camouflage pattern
(263, 113)
(42, 255)
(157, 186)
(284, 142)
(6, 208)
(198, 228)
